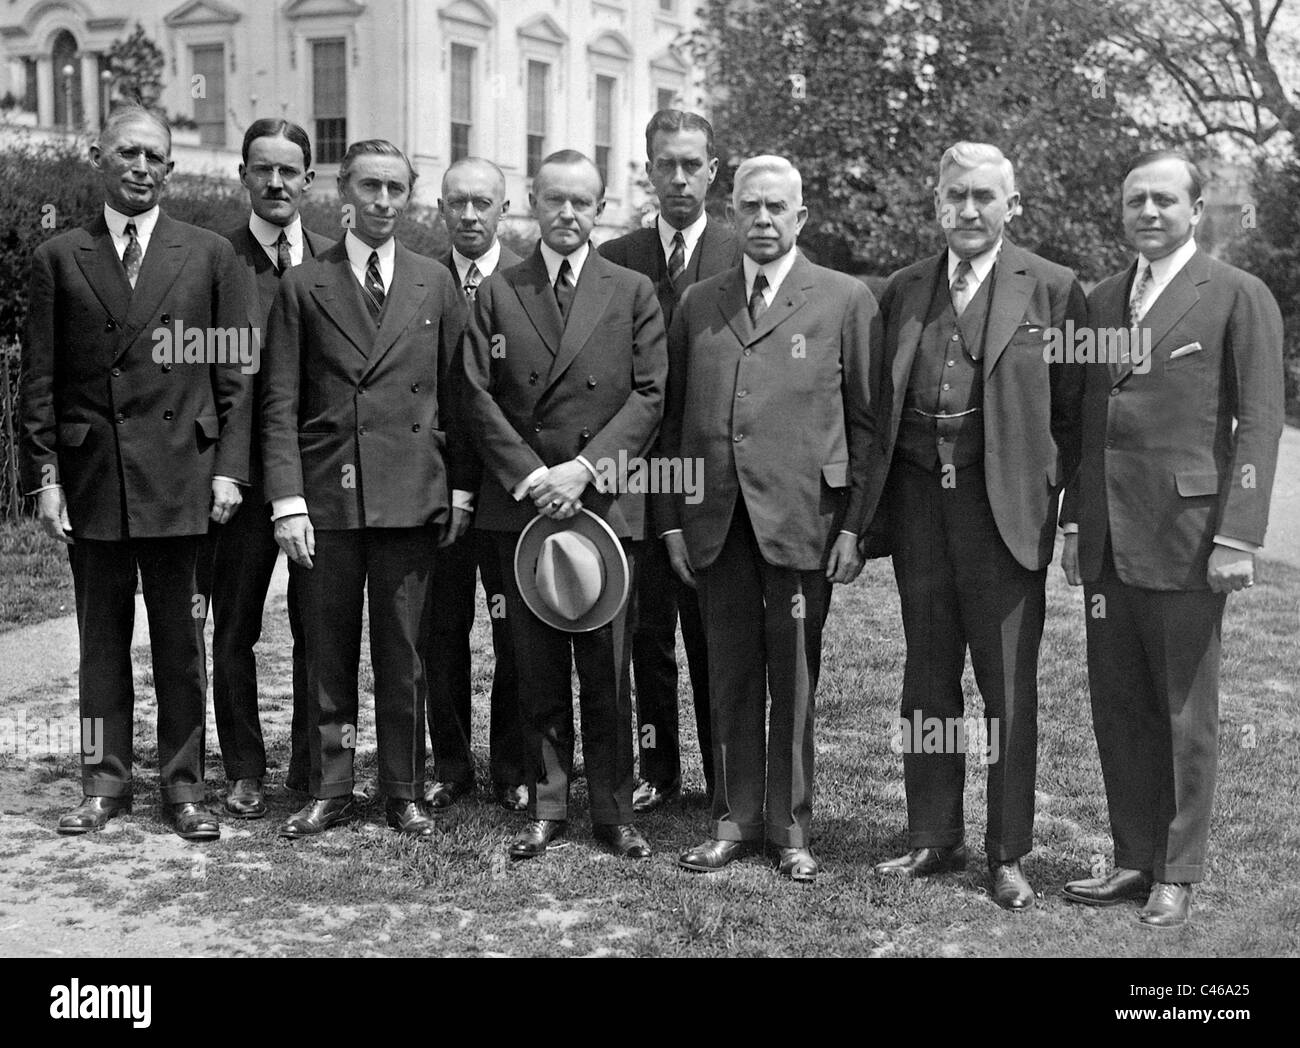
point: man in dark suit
(1164, 520)
(682, 247)
(976, 434)
(472, 203)
(767, 390)
(239, 557)
(135, 415)
(359, 446)
(565, 362)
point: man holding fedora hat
(565, 362)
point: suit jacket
(716, 251)
(133, 434)
(264, 282)
(777, 413)
(539, 392)
(1163, 469)
(354, 416)
(1031, 408)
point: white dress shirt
(268, 233)
(144, 225)
(487, 262)
(690, 237)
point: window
(30, 89)
(329, 96)
(462, 100)
(665, 97)
(67, 89)
(604, 124)
(539, 77)
(209, 62)
(668, 6)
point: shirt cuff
(590, 468)
(237, 483)
(1245, 547)
(48, 487)
(288, 506)
(521, 489)
(670, 531)
(1070, 529)
(852, 533)
(462, 500)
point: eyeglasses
(128, 155)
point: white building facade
(511, 80)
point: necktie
(472, 280)
(283, 260)
(757, 304)
(374, 287)
(132, 257)
(962, 288)
(1136, 306)
(677, 260)
(564, 289)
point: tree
(864, 98)
(137, 66)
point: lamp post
(68, 73)
(105, 95)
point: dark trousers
(764, 629)
(104, 581)
(546, 658)
(235, 568)
(660, 597)
(448, 665)
(960, 586)
(1153, 671)
(392, 567)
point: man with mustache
(682, 247)
(472, 203)
(362, 458)
(130, 457)
(976, 433)
(1162, 522)
(239, 557)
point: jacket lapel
(733, 306)
(715, 252)
(97, 258)
(590, 298)
(538, 299)
(337, 293)
(789, 298)
(1013, 286)
(405, 294)
(162, 264)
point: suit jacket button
(362, 431)
(168, 415)
(738, 438)
(748, 352)
(532, 379)
(1114, 392)
(537, 428)
(742, 392)
(120, 418)
(117, 372)
(415, 388)
(166, 367)
(585, 434)
(361, 391)
(591, 381)
(110, 326)
(166, 318)
(415, 428)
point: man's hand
(558, 493)
(225, 499)
(296, 536)
(52, 512)
(845, 562)
(456, 527)
(1230, 569)
(1070, 560)
(679, 558)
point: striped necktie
(1137, 306)
(374, 287)
(757, 303)
(961, 289)
(473, 278)
(677, 260)
(132, 257)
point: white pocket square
(1183, 351)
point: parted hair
(276, 127)
(670, 121)
(1153, 156)
(372, 147)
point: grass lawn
(35, 579)
(137, 890)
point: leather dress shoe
(93, 814)
(799, 864)
(1011, 889)
(512, 798)
(535, 837)
(623, 840)
(1169, 906)
(1117, 886)
(923, 862)
(648, 795)
(409, 817)
(245, 799)
(712, 855)
(442, 795)
(318, 815)
(194, 822)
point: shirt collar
(690, 235)
(980, 265)
(359, 251)
(144, 222)
(775, 271)
(553, 258)
(1165, 269)
(268, 233)
(486, 262)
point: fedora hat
(572, 574)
